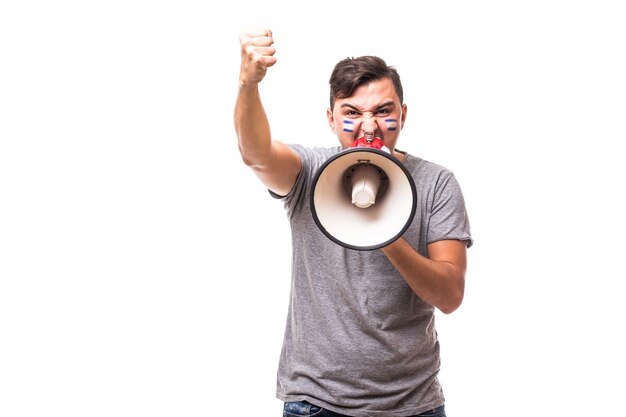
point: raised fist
(257, 54)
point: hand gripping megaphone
(363, 198)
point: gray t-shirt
(358, 340)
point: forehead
(371, 95)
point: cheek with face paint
(391, 124)
(348, 126)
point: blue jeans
(304, 408)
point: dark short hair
(351, 73)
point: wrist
(246, 84)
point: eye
(383, 112)
(351, 113)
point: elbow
(455, 292)
(449, 308)
(246, 160)
(452, 302)
(250, 159)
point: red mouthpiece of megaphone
(365, 142)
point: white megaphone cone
(363, 198)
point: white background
(144, 271)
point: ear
(331, 119)
(403, 118)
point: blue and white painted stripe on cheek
(392, 124)
(348, 126)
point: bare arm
(276, 164)
(439, 279)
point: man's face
(373, 108)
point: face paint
(392, 124)
(348, 126)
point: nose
(369, 126)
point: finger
(269, 61)
(263, 50)
(258, 53)
(264, 36)
(259, 32)
(259, 41)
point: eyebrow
(383, 105)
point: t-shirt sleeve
(448, 217)
(298, 196)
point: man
(360, 338)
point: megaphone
(363, 198)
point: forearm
(251, 125)
(276, 165)
(439, 282)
